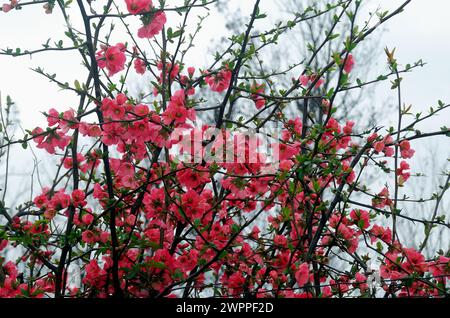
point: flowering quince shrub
(126, 217)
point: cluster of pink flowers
(383, 145)
(405, 149)
(382, 199)
(154, 26)
(349, 63)
(6, 7)
(379, 232)
(176, 111)
(112, 58)
(220, 81)
(50, 140)
(52, 202)
(306, 80)
(168, 71)
(403, 175)
(138, 6)
(153, 21)
(84, 163)
(11, 288)
(139, 66)
(130, 126)
(257, 98)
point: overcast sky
(422, 31)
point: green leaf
(361, 224)
(177, 33)
(446, 129)
(261, 16)
(286, 213)
(77, 85)
(235, 228)
(379, 246)
(156, 264)
(334, 36)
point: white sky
(420, 32)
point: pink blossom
(3, 244)
(6, 7)
(406, 151)
(154, 27)
(302, 274)
(305, 80)
(112, 58)
(87, 218)
(78, 197)
(138, 6)
(360, 217)
(139, 66)
(88, 237)
(257, 98)
(349, 63)
(53, 117)
(220, 81)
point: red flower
(154, 27)
(259, 100)
(405, 149)
(78, 197)
(305, 80)
(302, 274)
(361, 218)
(379, 232)
(349, 63)
(112, 58)
(138, 6)
(403, 176)
(414, 261)
(220, 81)
(88, 236)
(139, 66)
(176, 111)
(3, 244)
